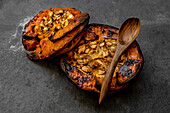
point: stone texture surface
(41, 87)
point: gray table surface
(41, 87)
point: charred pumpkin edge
(138, 69)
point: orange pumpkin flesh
(49, 32)
(87, 64)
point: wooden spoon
(128, 32)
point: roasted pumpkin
(53, 32)
(87, 64)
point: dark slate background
(41, 87)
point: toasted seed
(79, 61)
(102, 44)
(58, 11)
(62, 19)
(95, 63)
(94, 42)
(62, 22)
(86, 68)
(45, 18)
(100, 51)
(105, 53)
(93, 46)
(58, 27)
(82, 55)
(82, 61)
(123, 57)
(114, 42)
(50, 13)
(57, 17)
(81, 49)
(100, 62)
(116, 69)
(76, 57)
(49, 22)
(41, 24)
(87, 50)
(91, 51)
(36, 28)
(113, 48)
(85, 61)
(120, 63)
(101, 72)
(108, 43)
(70, 16)
(100, 75)
(66, 23)
(45, 28)
(65, 13)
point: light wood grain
(128, 32)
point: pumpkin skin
(53, 31)
(132, 63)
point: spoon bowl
(128, 32)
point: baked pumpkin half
(53, 32)
(87, 64)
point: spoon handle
(109, 74)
